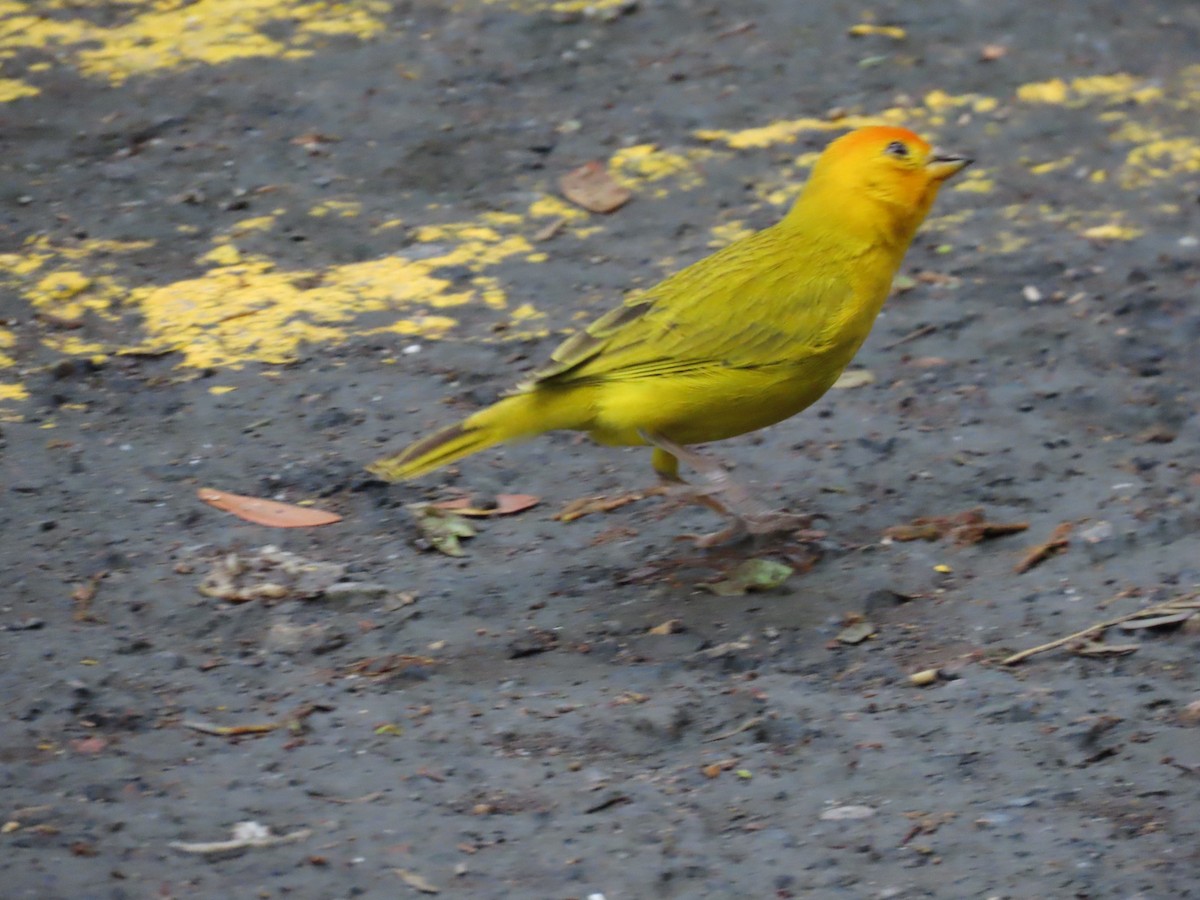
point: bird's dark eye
(897, 149)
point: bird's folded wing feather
(748, 306)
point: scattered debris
(506, 504)
(441, 529)
(550, 230)
(246, 835)
(1170, 612)
(1055, 544)
(267, 512)
(585, 506)
(535, 641)
(726, 648)
(856, 631)
(268, 574)
(752, 722)
(671, 626)
(380, 666)
(913, 335)
(847, 813)
(863, 29)
(232, 730)
(854, 378)
(1097, 648)
(967, 527)
(83, 596)
(712, 770)
(751, 575)
(592, 187)
(1189, 716)
(925, 677)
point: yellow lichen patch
(1005, 242)
(14, 89)
(12, 391)
(420, 326)
(1052, 165)
(251, 311)
(255, 223)
(562, 7)
(728, 232)
(222, 255)
(975, 181)
(938, 101)
(7, 340)
(219, 389)
(1158, 158)
(1112, 231)
(142, 36)
(1119, 88)
(245, 308)
(787, 131)
(642, 165)
(550, 207)
(345, 209)
(895, 32)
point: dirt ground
(250, 246)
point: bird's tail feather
(520, 415)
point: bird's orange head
(880, 174)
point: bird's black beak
(946, 165)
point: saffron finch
(740, 340)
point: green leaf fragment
(752, 575)
(442, 528)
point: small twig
(245, 835)
(1056, 543)
(911, 336)
(231, 730)
(752, 722)
(1157, 609)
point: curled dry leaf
(592, 187)
(267, 512)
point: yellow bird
(742, 339)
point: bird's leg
(749, 514)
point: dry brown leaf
(593, 188)
(671, 626)
(506, 505)
(992, 52)
(967, 527)
(267, 512)
(413, 880)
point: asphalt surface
(250, 246)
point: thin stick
(1158, 609)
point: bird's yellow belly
(698, 409)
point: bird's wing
(747, 306)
